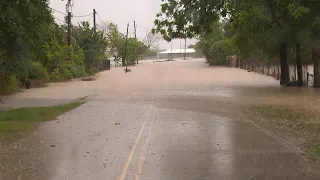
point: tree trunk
(284, 76)
(299, 65)
(237, 62)
(316, 70)
(123, 61)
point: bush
(37, 74)
(9, 84)
(67, 68)
(66, 71)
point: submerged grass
(15, 121)
(314, 149)
(294, 120)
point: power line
(102, 19)
(59, 11)
(84, 15)
(60, 20)
(72, 16)
(90, 18)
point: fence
(274, 70)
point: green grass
(314, 149)
(15, 121)
(279, 113)
(294, 120)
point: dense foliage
(34, 50)
(267, 30)
(129, 53)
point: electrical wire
(59, 11)
(72, 16)
(84, 15)
(102, 19)
(90, 18)
(60, 20)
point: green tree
(93, 44)
(23, 27)
(135, 48)
(262, 28)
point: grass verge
(294, 120)
(314, 149)
(15, 121)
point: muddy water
(188, 118)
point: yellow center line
(143, 154)
(125, 169)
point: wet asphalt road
(160, 121)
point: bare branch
(151, 39)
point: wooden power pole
(135, 29)
(135, 34)
(185, 48)
(94, 20)
(124, 60)
(68, 9)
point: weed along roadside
(15, 122)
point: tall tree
(255, 22)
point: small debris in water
(58, 122)
(53, 145)
(88, 152)
(117, 124)
(84, 156)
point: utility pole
(171, 54)
(135, 30)
(69, 28)
(185, 44)
(135, 34)
(68, 9)
(94, 20)
(185, 48)
(124, 60)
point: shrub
(9, 84)
(37, 74)
(67, 68)
(66, 71)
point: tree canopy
(33, 48)
(268, 30)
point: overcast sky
(120, 12)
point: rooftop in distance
(178, 51)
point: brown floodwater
(164, 120)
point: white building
(174, 53)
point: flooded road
(168, 120)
